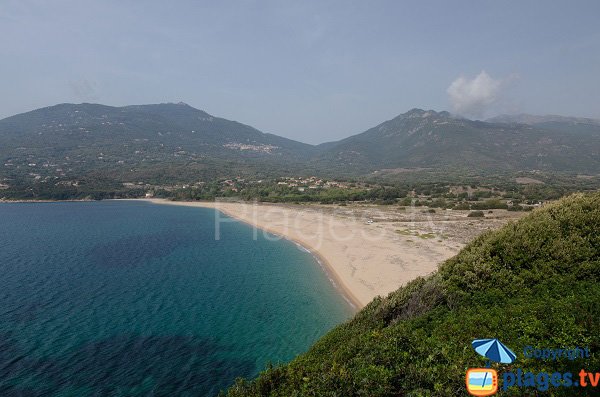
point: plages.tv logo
(484, 381)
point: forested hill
(140, 132)
(439, 140)
(535, 282)
(91, 150)
(158, 143)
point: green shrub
(476, 214)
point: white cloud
(473, 97)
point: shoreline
(361, 258)
(23, 201)
(323, 263)
(365, 250)
(329, 270)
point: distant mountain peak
(429, 139)
(421, 113)
(416, 112)
(178, 104)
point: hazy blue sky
(308, 70)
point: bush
(462, 206)
(476, 214)
(489, 205)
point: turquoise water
(136, 299)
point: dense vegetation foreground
(532, 283)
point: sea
(130, 298)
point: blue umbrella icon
(494, 350)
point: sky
(313, 71)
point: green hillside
(439, 141)
(166, 131)
(98, 147)
(534, 282)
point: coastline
(35, 201)
(361, 259)
(329, 270)
(325, 265)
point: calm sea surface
(136, 299)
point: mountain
(143, 128)
(438, 140)
(150, 141)
(531, 119)
(532, 283)
(166, 144)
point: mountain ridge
(175, 142)
(421, 138)
(532, 119)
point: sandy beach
(366, 250)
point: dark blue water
(136, 299)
